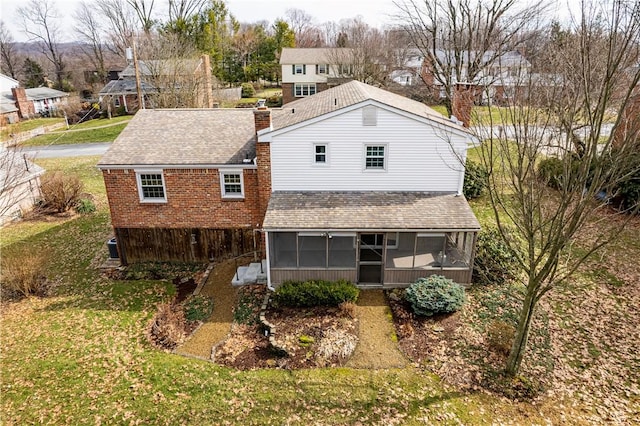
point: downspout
(266, 248)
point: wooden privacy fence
(185, 244)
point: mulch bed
(313, 337)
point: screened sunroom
(372, 239)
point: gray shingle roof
(125, 86)
(184, 137)
(39, 93)
(349, 94)
(368, 210)
(314, 55)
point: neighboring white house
(307, 71)
(19, 184)
(7, 83)
(45, 100)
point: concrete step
(256, 272)
(238, 277)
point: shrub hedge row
(315, 293)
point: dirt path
(376, 348)
(218, 325)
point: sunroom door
(370, 255)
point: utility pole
(137, 70)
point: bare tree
(176, 74)
(40, 21)
(308, 34)
(144, 10)
(88, 27)
(184, 10)
(365, 53)
(8, 52)
(459, 39)
(544, 226)
(121, 24)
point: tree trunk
(522, 334)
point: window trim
(231, 195)
(302, 87)
(315, 154)
(385, 157)
(322, 68)
(303, 69)
(150, 200)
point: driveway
(72, 150)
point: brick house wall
(195, 224)
(194, 200)
(288, 93)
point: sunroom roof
(368, 210)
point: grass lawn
(25, 126)
(104, 134)
(99, 122)
(80, 355)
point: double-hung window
(304, 89)
(320, 154)
(231, 184)
(375, 157)
(322, 69)
(151, 187)
(299, 69)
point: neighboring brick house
(186, 81)
(500, 78)
(354, 182)
(307, 71)
(19, 103)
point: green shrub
(551, 171)
(435, 295)
(85, 206)
(315, 293)
(494, 263)
(274, 101)
(198, 308)
(475, 180)
(247, 90)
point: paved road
(72, 150)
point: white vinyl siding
(419, 157)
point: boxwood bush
(315, 293)
(435, 295)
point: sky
(375, 12)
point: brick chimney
(208, 87)
(25, 107)
(628, 129)
(462, 103)
(262, 118)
